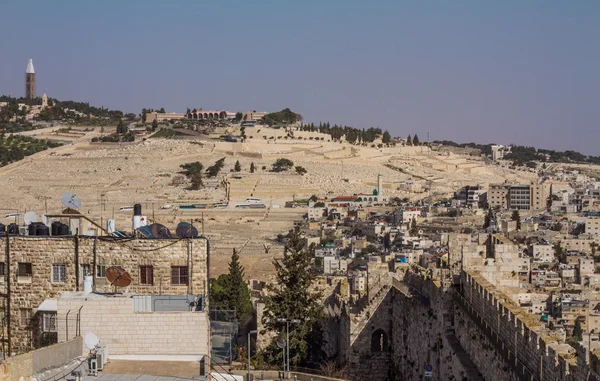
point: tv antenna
(70, 200)
(186, 230)
(30, 217)
(117, 276)
(91, 341)
(160, 231)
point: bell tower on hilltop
(30, 80)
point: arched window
(379, 341)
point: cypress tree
(291, 297)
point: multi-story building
(499, 151)
(41, 269)
(498, 195)
(543, 253)
(518, 196)
(592, 226)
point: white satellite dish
(45, 220)
(30, 217)
(90, 340)
(70, 200)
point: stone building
(30, 80)
(43, 268)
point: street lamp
(250, 333)
(287, 325)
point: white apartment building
(544, 253)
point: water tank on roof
(137, 210)
(42, 229)
(13, 229)
(2, 228)
(32, 228)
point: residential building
(499, 151)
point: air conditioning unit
(101, 356)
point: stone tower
(30, 80)
(44, 101)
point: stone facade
(126, 332)
(38, 255)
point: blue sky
(524, 72)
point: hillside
(108, 176)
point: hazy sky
(524, 72)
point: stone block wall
(27, 293)
(25, 366)
(126, 332)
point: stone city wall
(28, 292)
(525, 345)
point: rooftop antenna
(30, 217)
(160, 231)
(186, 230)
(118, 277)
(70, 200)
(90, 340)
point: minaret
(379, 186)
(30, 80)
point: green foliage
(488, 219)
(290, 297)
(193, 171)
(154, 125)
(16, 147)
(386, 138)
(577, 331)
(214, 169)
(300, 170)
(409, 141)
(121, 128)
(516, 217)
(282, 164)
(165, 133)
(416, 141)
(414, 229)
(285, 116)
(230, 292)
(238, 116)
(238, 166)
(252, 167)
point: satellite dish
(30, 217)
(281, 342)
(45, 220)
(70, 200)
(160, 231)
(186, 230)
(90, 340)
(117, 276)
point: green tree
(121, 128)
(416, 141)
(193, 171)
(577, 331)
(386, 138)
(414, 230)
(230, 291)
(409, 141)
(516, 216)
(154, 125)
(488, 219)
(549, 199)
(291, 296)
(300, 170)
(238, 116)
(252, 167)
(162, 110)
(559, 253)
(237, 167)
(282, 164)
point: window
(59, 273)
(146, 275)
(25, 316)
(101, 271)
(49, 322)
(25, 269)
(2, 273)
(179, 275)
